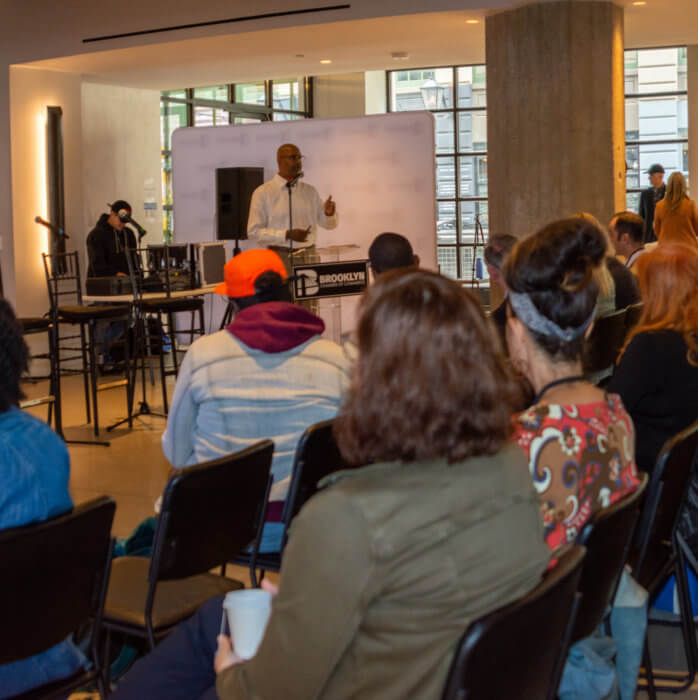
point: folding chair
(210, 512)
(607, 538)
(660, 550)
(317, 455)
(604, 343)
(515, 652)
(54, 581)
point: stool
(32, 326)
(63, 281)
(168, 307)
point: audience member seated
(34, 470)
(268, 374)
(387, 566)
(498, 247)
(622, 290)
(657, 375)
(578, 439)
(391, 251)
(627, 235)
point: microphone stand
(289, 187)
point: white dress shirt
(268, 221)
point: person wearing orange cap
(268, 374)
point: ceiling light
(472, 21)
(325, 61)
(300, 55)
(399, 55)
(639, 3)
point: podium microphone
(128, 219)
(52, 227)
(290, 183)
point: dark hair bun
(562, 255)
(555, 266)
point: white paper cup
(248, 613)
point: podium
(328, 281)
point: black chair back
(317, 455)
(605, 342)
(210, 512)
(662, 512)
(632, 316)
(62, 272)
(54, 577)
(514, 652)
(607, 537)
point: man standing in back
(649, 199)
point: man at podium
(268, 223)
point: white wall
(376, 97)
(31, 91)
(341, 95)
(121, 147)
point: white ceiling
(430, 39)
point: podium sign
(335, 279)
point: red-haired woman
(657, 376)
(385, 567)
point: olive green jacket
(384, 571)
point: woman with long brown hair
(657, 375)
(676, 216)
(388, 564)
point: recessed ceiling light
(639, 3)
(472, 21)
(399, 55)
(325, 60)
(300, 55)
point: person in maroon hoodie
(269, 374)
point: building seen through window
(656, 116)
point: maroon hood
(275, 326)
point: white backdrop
(379, 170)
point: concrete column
(555, 113)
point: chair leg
(55, 369)
(173, 341)
(85, 379)
(163, 375)
(647, 663)
(93, 374)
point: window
(457, 97)
(240, 103)
(656, 116)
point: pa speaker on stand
(234, 188)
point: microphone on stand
(290, 183)
(128, 219)
(51, 227)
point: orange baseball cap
(242, 271)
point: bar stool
(63, 280)
(34, 325)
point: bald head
(289, 159)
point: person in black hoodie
(107, 242)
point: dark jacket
(659, 389)
(105, 249)
(627, 291)
(646, 211)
